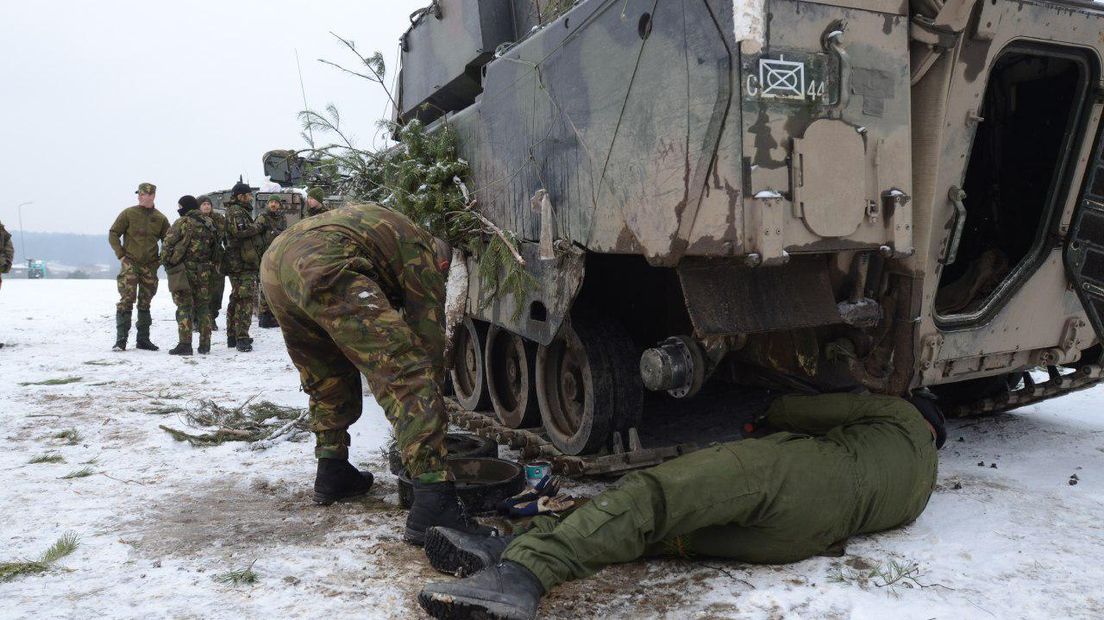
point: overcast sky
(99, 96)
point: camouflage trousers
(317, 292)
(194, 307)
(136, 283)
(239, 311)
(262, 302)
(217, 288)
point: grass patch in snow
(251, 422)
(891, 575)
(57, 381)
(83, 472)
(101, 363)
(64, 546)
(71, 436)
(245, 576)
(47, 458)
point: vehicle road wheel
(511, 378)
(467, 374)
(588, 385)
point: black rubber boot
(245, 345)
(122, 330)
(181, 349)
(436, 504)
(204, 349)
(337, 479)
(231, 340)
(460, 553)
(143, 325)
(267, 321)
(506, 591)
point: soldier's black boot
(506, 591)
(245, 345)
(122, 330)
(181, 349)
(143, 325)
(231, 340)
(436, 504)
(267, 320)
(337, 479)
(460, 553)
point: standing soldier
(315, 204)
(337, 283)
(141, 228)
(275, 223)
(190, 251)
(243, 259)
(218, 272)
(7, 255)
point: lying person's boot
(231, 341)
(508, 591)
(460, 553)
(436, 504)
(245, 345)
(181, 349)
(337, 479)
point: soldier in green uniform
(275, 223)
(315, 201)
(218, 273)
(839, 465)
(7, 255)
(243, 259)
(190, 251)
(360, 289)
(134, 237)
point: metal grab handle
(833, 42)
(956, 196)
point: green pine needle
(64, 546)
(58, 381)
(71, 436)
(244, 576)
(80, 473)
(47, 458)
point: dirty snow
(158, 520)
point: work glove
(544, 498)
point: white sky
(99, 96)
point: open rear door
(1085, 247)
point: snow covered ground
(1005, 536)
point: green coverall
(843, 464)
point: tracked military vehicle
(816, 195)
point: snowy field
(1006, 534)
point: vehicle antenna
(303, 89)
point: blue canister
(537, 471)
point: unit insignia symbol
(782, 78)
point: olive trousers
(845, 464)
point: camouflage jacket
(243, 238)
(7, 250)
(192, 240)
(402, 257)
(141, 230)
(274, 225)
(317, 211)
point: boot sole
(325, 499)
(448, 557)
(414, 537)
(459, 608)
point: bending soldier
(275, 223)
(190, 252)
(842, 464)
(218, 272)
(243, 259)
(360, 289)
(141, 228)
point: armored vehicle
(810, 194)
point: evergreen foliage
(64, 546)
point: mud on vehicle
(815, 195)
